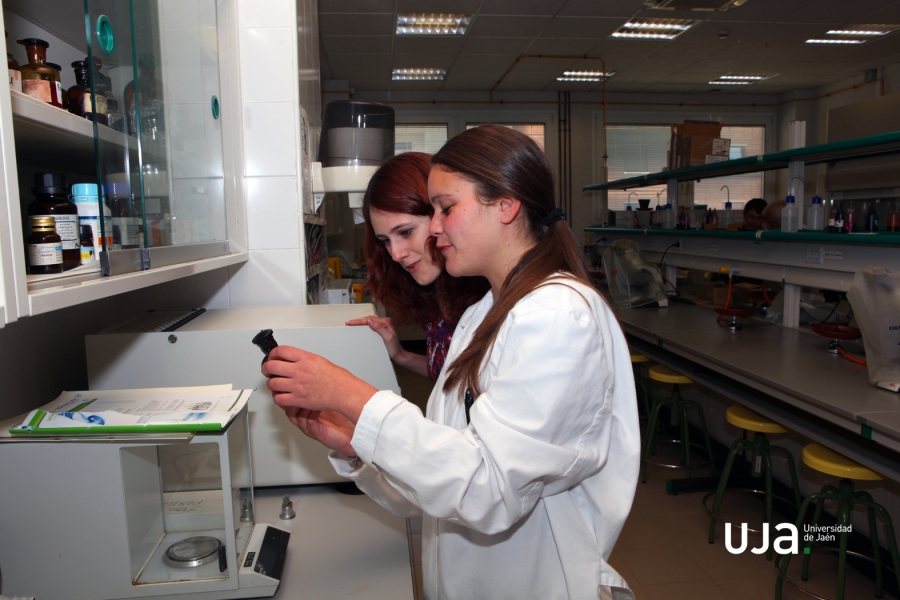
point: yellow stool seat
(743, 417)
(828, 461)
(639, 358)
(667, 375)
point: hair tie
(555, 215)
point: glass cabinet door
(159, 152)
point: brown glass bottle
(149, 94)
(81, 101)
(15, 74)
(57, 79)
(39, 79)
(44, 247)
(51, 199)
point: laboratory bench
(341, 546)
(784, 373)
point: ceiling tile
(508, 26)
(466, 7)
(520, 7)
(345, 66)
(836, 12)
(889, 14)
(671, 88)
(423, 61)
(640, 76)
(751, 32)
(357, 44)
(582, 27)
(487, 45)
(623, 9)
(477, 73)
(764, 11)
(669, 65)
(744, 51)
(416, 86)
(566, 46)
(687, 50)
(356, 6)
(355, 24)
(695, 78)
(428, 44)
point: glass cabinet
(131, 162)
(159, 166)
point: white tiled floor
(663, 552)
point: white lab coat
(528, 500)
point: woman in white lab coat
(525, 466)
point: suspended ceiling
(358, 44)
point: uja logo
(784, 544)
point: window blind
(419, 138)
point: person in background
(406, 273)
(771, 215)
(525, 467)
(753, 211)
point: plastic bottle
(871, 223)
(726, 219)
(839, 219)
(88, 203)
(893, 219)
(850, 220)
(790, 216)
(714, 220)
(815, 215)
(832, 217)
(668, 219)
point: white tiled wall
(43, 355)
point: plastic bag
(875, 297)
(632, 280)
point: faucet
(727, 191)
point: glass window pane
(533, 130)
(419, 138)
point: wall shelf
(864, 147)
(770, 235)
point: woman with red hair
(406, 273)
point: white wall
(43, 355)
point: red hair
(401, 186)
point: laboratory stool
(640, 382)
(678, 410)
(761, 463)
(827, 461)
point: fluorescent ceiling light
(856, 32)
(419, 74)
(654, 29)
(720, 82)
(744, 77)
(834, 41)
(584, 75)
(432, 24)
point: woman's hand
(330, 429)
(384, 327)
(300, 379)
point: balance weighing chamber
(105, 517)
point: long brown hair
(401, 186)
(505, 163)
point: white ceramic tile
(269, 278)
(264, 13)
(198, 210)
(191, 65)
(195, 141)
(273, 213)
(270, 141)
(187, 13)
(266, 58)
(205, 290)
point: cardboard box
(681, 131)
(710, 159)
(692, 151)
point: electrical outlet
(815, 255)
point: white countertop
(341, 546)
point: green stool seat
(678, 411)
(828, 461)
(761, 462)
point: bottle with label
(727, 215)
(88, 252)
(871, 224)
(850, 220)
(839, 219)
(790, 215)
(103, 87)
(893, 219)
(81, 101)
(85, 197)
(815, 216)
(15, 74)
(57, 81)
(39, 79)
(124, 216)
(832, 219)
(45, 254)
(51, 199)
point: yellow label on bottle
(100, 101)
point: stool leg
(829, 492)
(876, 547)
(705, 431)
(889, 531)
(790, 459)
(767, 459)
(648, 443)
(643, 396)
(737, 446)
(786, 560)
(675, 399)
(685, 438)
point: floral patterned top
(437, 339)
